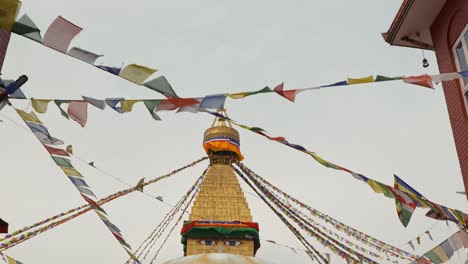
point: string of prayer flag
(446, 213)
(59, 36)
(352, 232)
(61, 32)
(83, 208)
(61, 158)
(445, 250)
(198, 104)
(334, 245)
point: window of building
(460, 50)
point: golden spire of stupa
(220, 219)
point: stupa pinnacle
(220, 220)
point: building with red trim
(441, 26)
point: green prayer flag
(58, 103)
(433, 257)
(381, 78)
(63, 162)
(161, 85)
(26, 28)
(151, 106)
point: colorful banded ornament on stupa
(220, 219)
(222, 139)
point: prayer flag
(113, 102)
(404, 204)
(290, 95)
(439, 251)
(410, 243)
(69, 149)
(58, 103)
(83, 55)
(26, 28)
(43, 135)
(30, 117)
(166, 105)
(213, 101)
(421, 80)
(367, 79)
(336, 84)
(161, 85)
(136, 73)
(60, 33)
(444, 77)
(8, 12)
(127, 105)
(415, 195)
(95, 102)
(113, 70)
(181, 102)
(63, 162)
(11, 260)
(429, 234)
(433, 257)
(70, 171)
(381, 78)
(56, 151)
(151, 106)
(463, 236)
(245, 94)
(40, 106)
(78, 111)
(380, 188)
(447, 248)
(191, 109)
(78, 181)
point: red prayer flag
(421, 80)
(463, 238)
(78, 111)
(56, 151)
(60, 33)
(289, 94)
(181, 102)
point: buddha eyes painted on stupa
(231, 243)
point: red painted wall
(445, 30)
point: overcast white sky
(209, 47)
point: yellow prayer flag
(136, 73)
(69, 149)
(439, 251)
(10, 260)
(127, 105)
(237, 95)
(376, 186)
(8, 11)
(367, 79)
(70, 171)
(40, 106)
(457, 215)
(32, 117)
(102, 215)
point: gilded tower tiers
(220, 220)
